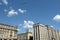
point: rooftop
(7, 25)
(25, 33)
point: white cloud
(12, 13)
(20, 24)
(28, 24)
(57, 18)
(18, 29)
(5, 2)
(21, 11)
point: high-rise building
(8, 32)
(44, 32)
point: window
(9, 39)
(10, 35)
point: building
(44, 32)
(8, 32)
(25, 36)
(40, 32)
(52, 33)
(59, 35)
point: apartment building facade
(8, 32)
(44, 32)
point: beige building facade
(52, 33)
(24, 36)
(59, 34)
(40, 33)
(45, 32)
(8, 32)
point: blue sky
(25, 12)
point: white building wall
(40, 32)
(45, 32)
